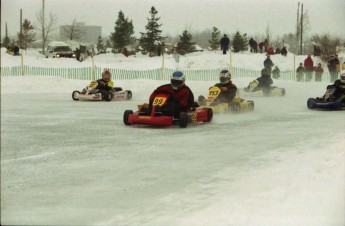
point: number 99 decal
(159, 101)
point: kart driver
(265, 82)
(226, 86)
(182, 98)
(105, 84)
(339, 85)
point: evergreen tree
(149, 40)
(100, 44)
(28, 34)
(214, 42)
(240, 42)
(123, 32)
(7, 40)
(185, 44)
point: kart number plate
(159, 101)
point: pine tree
(214, 42)
(100, 45)
(240, 43)
(185, 44)
(149, 40)
(7, 40)
(123, 33)
(28, 34)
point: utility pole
(301, 50)
(297, 29)
(21, 28)
(43, 31)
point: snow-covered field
(75, 163)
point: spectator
(253, 46)
(261, 46)
(300, 73)
(332, 68)
(317, 51)
(337, 65)
(77, 54)
(224, 44)
(125, 52)
(268, 64)
(309, 68)
(284, 51)
(270, 50)
(277, 50)
(16, 51)
(266, 44)
(318, 73)
(276, 72)
(159, 49)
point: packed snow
(66, 162)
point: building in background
(85, 33)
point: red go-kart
(156, 115)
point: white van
(59, 49)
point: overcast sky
(247, 16)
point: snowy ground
(75, 163)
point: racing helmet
(224, 76)
(106, 75)
(177, 80)
(342, 78)
(264, 72)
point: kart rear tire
(283, 92)
(209, 114)
(74, 95)
(125, 117)
(183, 119)
(235, 107)
(251, 104)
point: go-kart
(236, 105)
(91, 92)
(328, 101)
(157, 114)
(254, 90)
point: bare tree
(46, 25)
(72, 32)
(328, 45)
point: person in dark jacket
(264, 83)
(276, 72)
(224, 44)
(332, 68)
(268, 64)
(228, 89)
(181, 97)
(300, 73)
(283, 51)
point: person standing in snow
(309, 68)
(332, 68)
(224, 44)
(276, 72)
(268, 64)
(318, 73)
(300, 73)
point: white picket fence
(86, 73)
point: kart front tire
(310, 103)
(183, 119)
(108, 96)
(129, 95)
(125, 117)
(251, 104)
(235, 107)
(74, 95)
